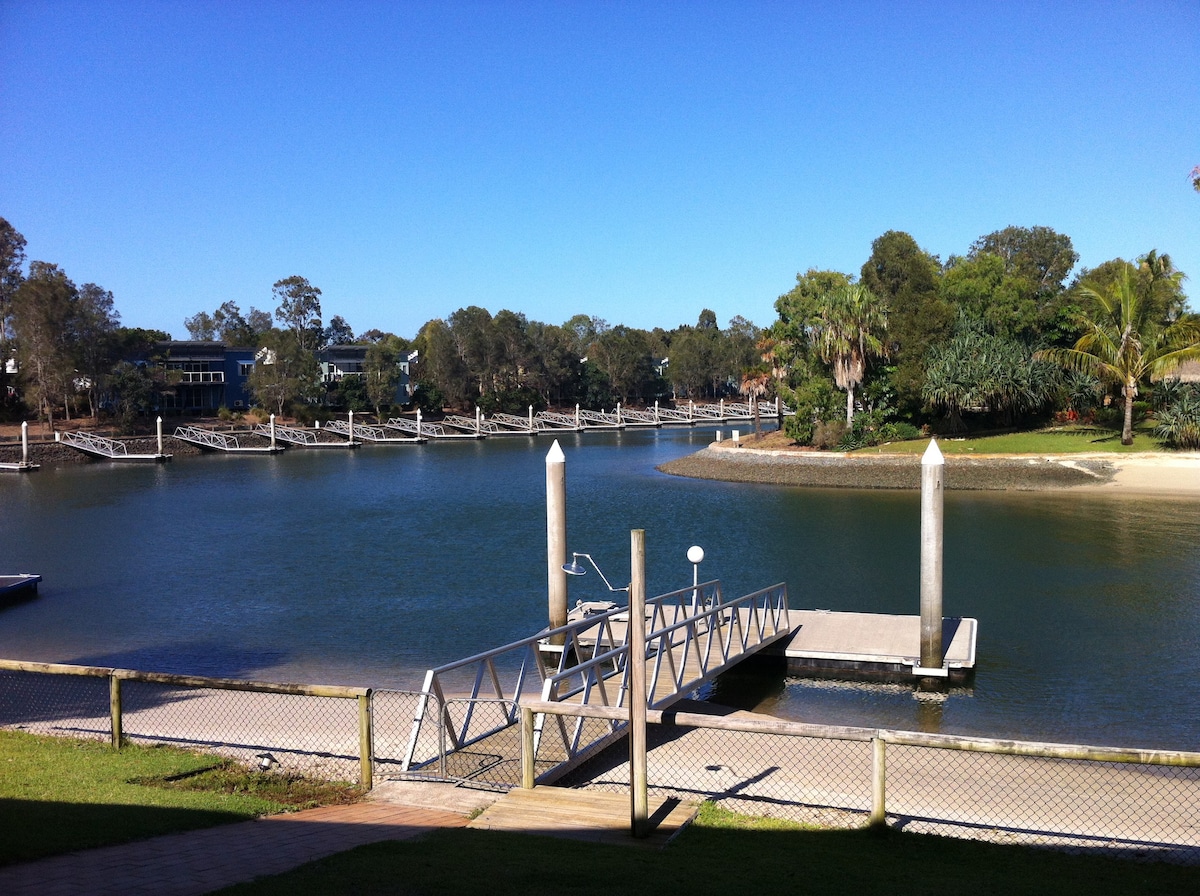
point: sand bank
(1176, 475)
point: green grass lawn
(722, 854)
(61, 794)
(1056, 440)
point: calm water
(367, 567)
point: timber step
(594, 816)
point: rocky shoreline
(838, 470)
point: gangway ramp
(511, 424)
(107, 449)
(472, 427)
(209, 440)
(372, 432)
(302, 438)
(472, 705)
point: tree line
(1004, 335)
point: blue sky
(633, 161)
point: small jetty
(209, 440)
(17, 587)
(20, 467)
(107, 449)
(872, 646)
(370, 432)
(301, 438)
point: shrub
(827, 435)
(1179, 423)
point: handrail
(287, 433)
(86, 441)
(579, 639)
(206, 437)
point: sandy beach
(1175, 475)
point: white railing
(688, 644)
(287, 434)
(555, 420)
(202, 376)
(206, 437)
(86, 441)
(518, 424)
(420, 430)
(470, 424)
(599, 418)
(693, 634)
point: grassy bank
(59, 794)
(720, 853)
(1058, 440)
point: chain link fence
(1143, 804)
(1131, 804)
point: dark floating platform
(18, 586)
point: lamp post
(695, 555)
(639, 800)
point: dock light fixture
(265, 761)
(575, 568)
(695, 555)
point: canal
(367, 567)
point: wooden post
(638, 785)
(932, 469)
(527, 757)
(366, 742)
(556, 536)
(114, 709)
(878, 782)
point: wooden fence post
(527, 757)
(114, 708)
(366, 741)
(878, 782)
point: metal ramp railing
(470, 424)
(513, 423)
(693, 634)
(419, 429)
(287, 434)
(600, 419)
(684, 652)
(554, 420)
(94, 444)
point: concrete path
(196, 862)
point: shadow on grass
(36, 829)
(715, 860)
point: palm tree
(846, 332)
(1124, 344)
(755, 384)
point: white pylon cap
(932, 455)
(555, 454)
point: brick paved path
(196, 862)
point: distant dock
(18, 586)
(872, 646)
